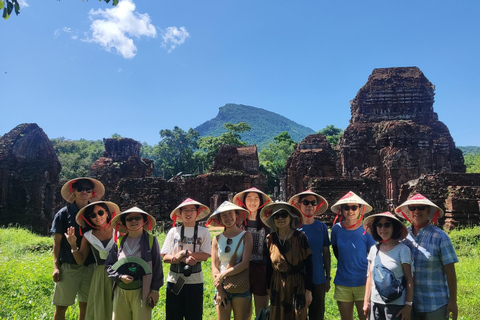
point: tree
(76, 156)
(274, 157)
(13, 4)
(210, 145)
(472, 161)
(174, 153)
(332, 133)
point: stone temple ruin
(394, 146)
(29, 174)
(394, 137)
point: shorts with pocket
(74, 280)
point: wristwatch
(409, 303)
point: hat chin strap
(240, 202)
(316, 209)
(358, 221)
(94, 226)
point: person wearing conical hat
(233, 240)
(289, 268)
(135, 266)
(395, 256)
(99, 240)
(350, 246)
(71, 279)
(435, 280)
(185, 247)
(311, 205)
(253, 200)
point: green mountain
(265, 124)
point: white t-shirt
(173, 244)
(393, 261)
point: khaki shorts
(74, 279)
(349, 294)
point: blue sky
(85, 69)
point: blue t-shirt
(353, 247)
(317, 235)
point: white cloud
(173, 37)
(115, 28)
(67, 30)
(22, 4)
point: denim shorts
(231, 296)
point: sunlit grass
(26, 285)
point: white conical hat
(350, 197)
(214, 219)
(67, 189)
(117, 222)
(322, 202)
(112, 207)
(238, 199)
(367, 223)
(202, 210)
(435, 211)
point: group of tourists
(275, 252)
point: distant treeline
(187, 152)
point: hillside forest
(180, 151)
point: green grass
(26, 285)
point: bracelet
(151, 290)
(409, 303)
(74, 250)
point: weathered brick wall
(29, 173)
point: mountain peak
(265, 124)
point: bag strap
(195, 235)
(234, 257)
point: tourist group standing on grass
(270, 260)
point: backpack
(388, 286)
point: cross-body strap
(233, 260)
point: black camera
(187, 270)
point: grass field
(26, 285)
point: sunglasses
(419, 208)
(386, 225)
(130, 219)
(346, 207)
(306, 203)
(84, 188)
(282, 214)
(227, 248)
(93, 215)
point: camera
(187, 270)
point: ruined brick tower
(395, 132)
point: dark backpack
(388, 286)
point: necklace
(284, 239)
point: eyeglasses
(189, 210)
(93, 215)
(130, 219)
(282, 214)
(227, 248)
(306, 203)
(386, 225)
(347, 207)
(84, 188)
(419, 208)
